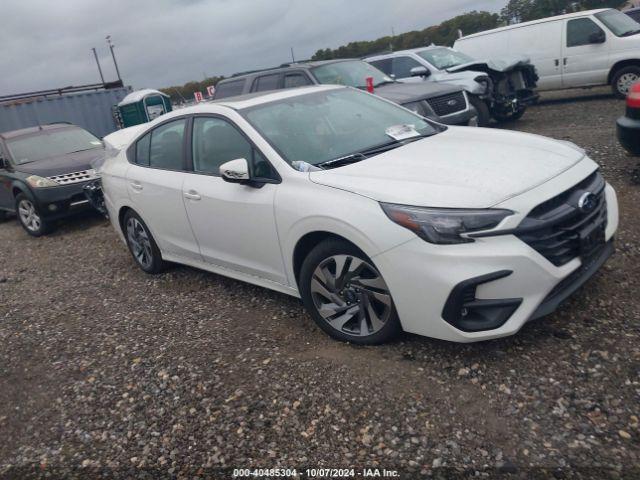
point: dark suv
(444, 103)
(43, 171)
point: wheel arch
(121, 214)
(18, 187)
(308, 242)
(635, 62)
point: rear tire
(482, 109)
(30, 217)
(346, 296)
(142, 246)
(623, 79)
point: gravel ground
(106, 371)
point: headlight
(485, 82)
(40, 182)
(415, 107)
(444, 225)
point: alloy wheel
(351, 295)
(625, 81)
(139, 242)
(29, 215)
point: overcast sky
(158, 43)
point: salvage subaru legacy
(379, 219)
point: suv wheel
(484, 117)
(510, 116)
(141, 244)
(346, 295)
(30, 217)
(623, 79)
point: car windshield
(621, 25)
(443, 58)
(51, 143)
(352, 74)
(322, 126)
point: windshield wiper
(384, 82)
(358, 156)
(630, 32)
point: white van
(582, 49)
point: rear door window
(579, 30)
(266, 82)
(166, 146)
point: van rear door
(585, 55)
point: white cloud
(166, 42)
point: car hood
(412, 92)
(72, 162)
(503, 64)
(458, 168)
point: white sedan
(379, 219)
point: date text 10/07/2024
(314, 473)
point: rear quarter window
(230, 89)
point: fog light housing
(470, 314)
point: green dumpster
(142, 106)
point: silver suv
(446, 104)
(501, 90)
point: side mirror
(597, 37)
(235, 171)
(419, 72)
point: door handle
(557, 62)
(136, 186)
(564, 61)
(192, 195)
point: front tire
(30, 217)
(346, 295)
(482, 109)
(623, 79)
(142, 246)
(503, 117)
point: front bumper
(59, 202)
(422, 276)
(628, 130)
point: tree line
(444, 34)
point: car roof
(251, 99)
(288, 66)
(535, 22)
(403, 52)
(31, 130)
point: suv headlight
(415, 107)
(444, 225)
(40, 182)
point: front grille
(560, 231)
(448, 104)
(74, 177)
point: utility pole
(393, 34)
(113, 55)
(98, 62)
(293, 60)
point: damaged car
(501, 89)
